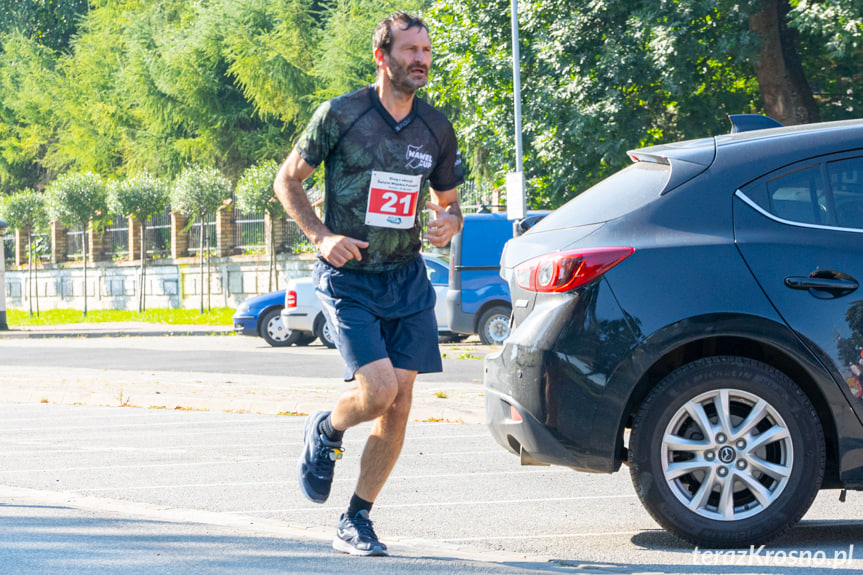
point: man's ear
(379, 55)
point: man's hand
(338, 249)
(442, 226)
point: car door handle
(824, 284)
(820, 283)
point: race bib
(393, 200)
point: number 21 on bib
(393, 200)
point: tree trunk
(201, 263)
(36, 278)
(271, 274)
(30, 269)
(209, 306)
(141, 295)
(779, 70)
(84, 254)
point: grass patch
(215, 316)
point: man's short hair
(383, 37)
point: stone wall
(172, 283)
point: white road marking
(291, 480)
(442, 504)
(547, 536)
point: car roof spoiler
(749, 122)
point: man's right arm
(288, 187)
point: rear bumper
(459, 321)
(524, 435)
(547, 389)
(301, 318)
(514, 426)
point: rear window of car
(799, 196)
(846, 182)
(626, 191)
(823, 194)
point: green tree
(49, 22)
(831, 38)
(140, 196)
(600, 77)
(28, 118)
(254, 193)
(26, 210)
(157, 85)
(343, 59)
(269, 50)
(198, 192)
(78, 199)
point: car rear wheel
(493, 325)
(322, 330)
(450, 337)
(727, 452)
(274, 332)
(305, 338)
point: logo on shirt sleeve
(417, 158)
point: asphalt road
(125, 490)
(217, 354)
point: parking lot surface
(137, 489)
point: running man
(381, 148)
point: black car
(696, 316)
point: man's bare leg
(385, 440)
(383, 394)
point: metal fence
(75, 243)
(8, 249)
(194, 235)
(249, 231)
(473, 197)
(295, 240)
(41, 248)
(118, 237)
(158, 235)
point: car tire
(493, 325)
(450, 337)
(305, 338)
(764, 434)
(273, 330)
(323, 333)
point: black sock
(357, 504)
(326, 427)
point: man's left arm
(447, 219)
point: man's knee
(378, 385)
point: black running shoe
(356, 536)
(318, 460)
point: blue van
(478, 300)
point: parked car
(302, 308)
(478, 299)
(302, 311)
(438, 271)
(705, 299)
(261, 316)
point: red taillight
(291, 299)
(514, 414)
(563, 271)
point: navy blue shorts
(374, 316)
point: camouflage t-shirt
(378, 171)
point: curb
(46, 334)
